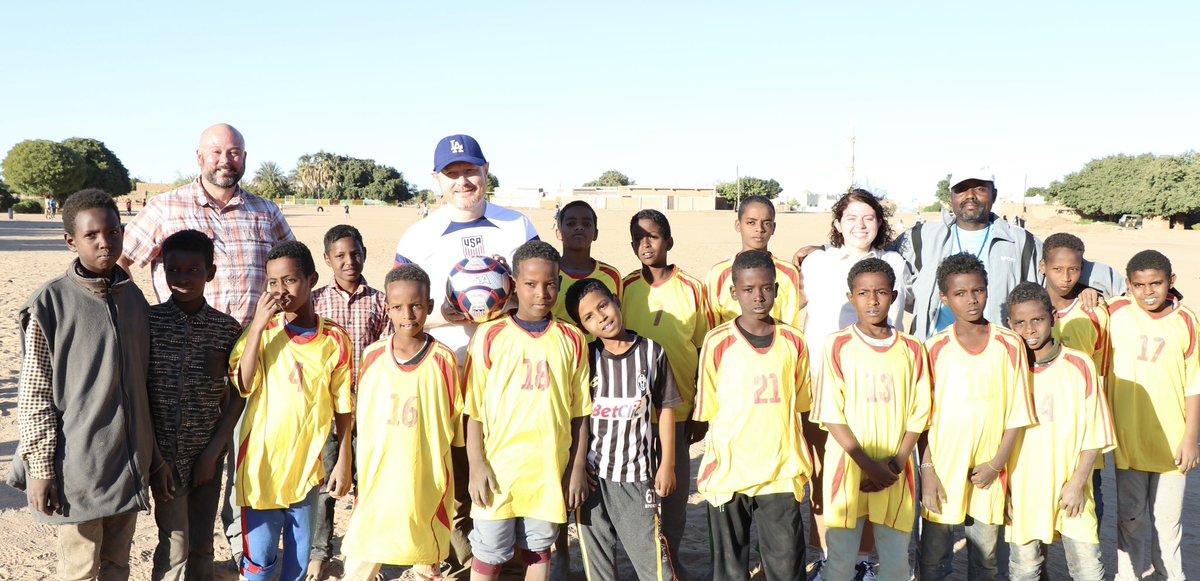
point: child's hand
(43, 495)
(664, 482)
(880, 474)
(482, 485)
(1187, 456)
(593, 480)
(452, 316)
(1071, 499)
(576, 490)
(339, 479)
(162, 482)
(268, 305)
(983, 476)
(205, 468)
(1089, 299)
(933, 494)
(695, 431)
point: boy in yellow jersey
(980, 404)
(755, 224)
(408, 416)
(873, 398)
(664, 303)
(1076, 326)
(632, 383)
(527, 403)
(1154, 391)
(1051, 465)
(754, 394)
(577, 228)
(295, 370)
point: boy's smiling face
(537, 288)
(600, 315)
(966, 295)
(408, 304)
(346, 257)
(97, 239)
(650, 244)
(1150, 288)
(1032, 322)
(186, 274)
(292, 287)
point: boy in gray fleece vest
(86, 445)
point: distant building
(646, 197)
(144, 190)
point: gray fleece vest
(99, 338)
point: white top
(829, 311)
(436, 244)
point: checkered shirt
(363, 314)
(243, 232)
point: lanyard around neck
(987, 234)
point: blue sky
(671, 93)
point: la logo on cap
(455, 146)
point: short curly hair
(868, 266)
(582, 289)
(751, 259)
(754, 200)
(296, 250)
(653, 216)
(1148, 260)
(342, 231)
(1029, 292)
(882, 237)
(961, 263)
(89, 199)
(1062, 240)
(562, 213)
(535, 249)
(190, 241)
(408, 272)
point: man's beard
(227, 181)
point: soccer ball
(478, 288)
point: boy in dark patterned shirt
(193, 407)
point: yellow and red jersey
(602, 271)
(724, 306)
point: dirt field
(32, 250)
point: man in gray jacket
(1010, 254)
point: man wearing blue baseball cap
(465, 225)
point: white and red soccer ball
(479, 287)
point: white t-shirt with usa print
(436, 244)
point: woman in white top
(860, 230)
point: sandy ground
(32, 250)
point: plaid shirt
(242, 233)
(36, 419)
(189, 363)
(363, 314)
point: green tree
(610, 179)
(751, 186)
(39, 167)
(1165, 186)
(1035, 192)
(424, 196)
(943, 191)
(339, 177)
(104, 169)
(270, 181)
(314, 174)
(493, 182)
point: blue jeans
(260, 535)
(1025, 562)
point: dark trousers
(780, 537)
(322, 533)
(674, 507)
(185, 533)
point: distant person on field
(243, 228)
(466, 225)
(86, 449)
(1154, 390)
(296, 371)
(193, 406)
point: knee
(535, 557)
(252, 571)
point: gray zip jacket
(1011, 257)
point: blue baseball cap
(457, 148)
